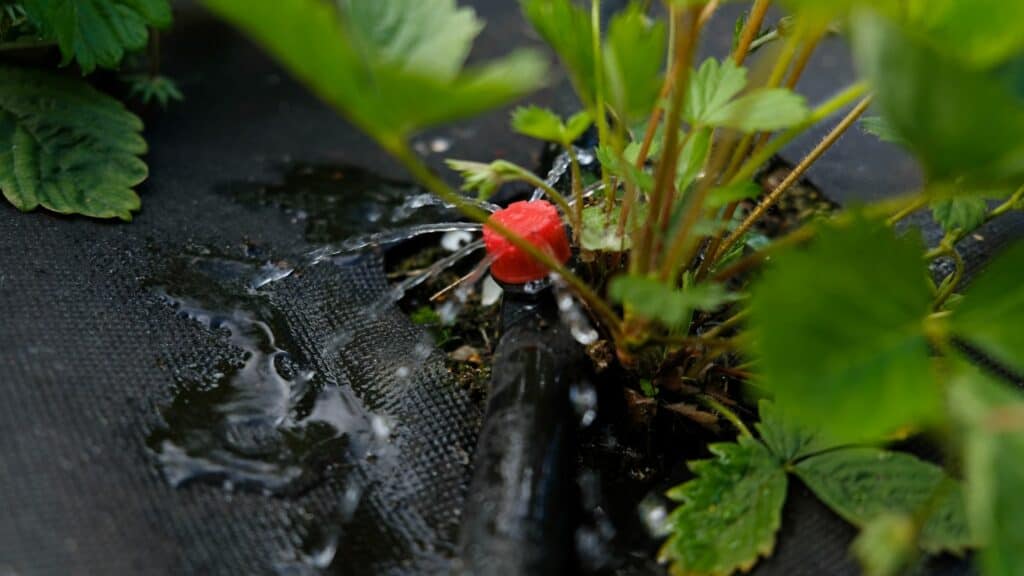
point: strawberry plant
(65, 146)
(837, 321)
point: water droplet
(583, 397)
(452, 241)
(440, 145)
(490, 293)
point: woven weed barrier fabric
(109, 330)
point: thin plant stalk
(577, 191)
(599, 109)
(841, 100)
(750, 30)
(665, 171)
(794, 175)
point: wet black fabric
(91, 354)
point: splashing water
(572, 314)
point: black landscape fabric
(103, 325)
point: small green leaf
(67, 147)
(577, 125)
(692, 158)
(648, 388)
(966, 213)
(838, 332)
(725, 195)
(730, 512)
(159, 89)
(861, 484)
(537, 122)
(783, 437)
(762, 110)
(712, 86)
(543, 124)
(961, 122)
(990, 417)
(97, 32)
(991, 314)
(485, 178)
(885, 546)
(633, 54)
(655, 300)
(393, 67)
(566, 28)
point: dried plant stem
(600, 117)
(794, 175)
(686, 40)
(750, 30)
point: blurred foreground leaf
(991, 417)
(991, 314)
(393, 67)
(960, 121)
(837, 329)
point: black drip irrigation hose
(516, 519)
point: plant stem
(26, 44)
(750, 30)
(577, 192)
(555, 196)
(665, 171)
(714, 404)
(907, 210)
(726, 324)
(401, 151)
(599, 113)
(794, 175)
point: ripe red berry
(539, 223)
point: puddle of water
(336, 203)
(267, 423)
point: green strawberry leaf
(990, 417)
(543, 124)
(854, 361)
(729, 513)
(633, 54)
(566, 28)
(660, 302)
(787, 440)
(712, 86)
(991, 314)
(97, 32)
(67, 147)
(862, 484)
(966, 213)
(393, 67)
(962, 123)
